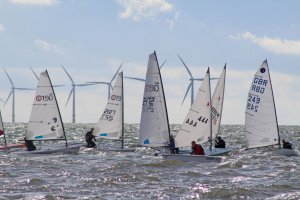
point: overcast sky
(91, 38)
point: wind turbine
(191, 85)
(142, 79)
(109, 84)
(72, 92)
(12, 93)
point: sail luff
(62, 124)
(164, 98)
(210, 117)
(122, 110)
(217, 103)
(2, 129)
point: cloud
(35, 2)
(137, 10)
(275, 45)
(2, 28)
(47, 46)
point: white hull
(71, 149)
(217, 151)
(192, 158)
(287, 152)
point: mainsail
(197, 124)
(110, 124)
(217, 104)
(2, 129)
(261, 126)
(154, 126)
(45, 120)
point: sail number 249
(253, 102)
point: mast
(163, 91)
(3, 130)
(122, 112)
(63, 128)
(210, 121)
(279, 144)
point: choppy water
(251, 174)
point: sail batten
(154, 124)
(110, 124)
(261, 126)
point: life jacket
(198, 150)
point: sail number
(148, 104)
(152, 88)
(195, 122)
(44, 97)
(116, 98)
(259, 85)
(253, 102)
(108, 114)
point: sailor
(174, 150)
(29, 144)
(286, 145)
(89, 137)
(197, 149)
(219, 143)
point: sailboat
(216, 112)
(261, 125)
(111, 123)
(154, 125)
(197, 126)
(45, 121)
(2, 134)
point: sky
(92, 38)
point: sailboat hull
(287, 152)
(12, 146)
(71, 149)
(192, 158)
(217, 151)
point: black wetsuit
(89, 139)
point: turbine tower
(12, 93)
(191, 85)
(72, 92)
(109, 84)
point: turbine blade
(186, 67)
(8, 98)
(36, 76)
(201, 79)
(25, 89)
(161, 66)
(9, 77)
(189, 87)
(86, 84)
(2, 100)
(133, 78)
(116, 73)
(68, 74)
(71, 92)
(98, 82)
(58, 85)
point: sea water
(244, 174)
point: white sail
(197, 124)
(45, 120)
(261, 125)
(217, 104)
(154, 125)
(2, 134)
(110, 124)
